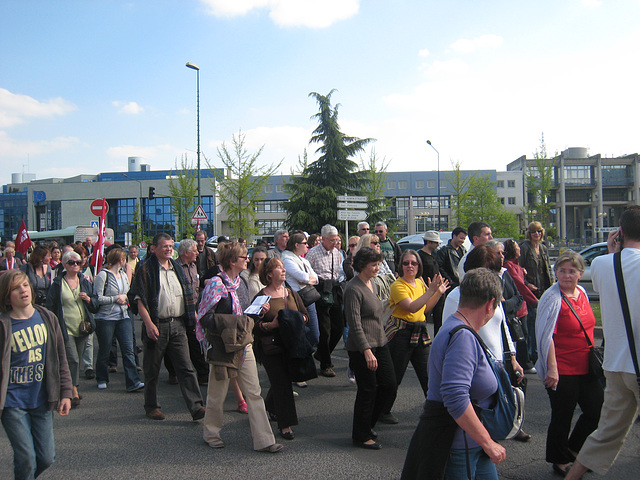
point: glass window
(268, 188)
(512, 200)
(419, 184)
(431, 184)
(269, 206)
(511, 183)
(500, 183)
(269, 227)
(502, 200)
(391, 185)
(402, 184)
(578, 174)
(279, 188)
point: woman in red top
(511, 255)
(563, 362)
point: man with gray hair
(281, 237)
(326, 261)
(187, 255)
(363, 227)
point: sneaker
(295, 394)
(242, 407)
(302, 384)
(389, 418)
(531, 370)
(328, 372)
(351, 376)
(89, 374)
(102, 385)
(136, 388)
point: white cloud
(13, 148)
(447, 68)
(424, 53)
(15, 108)
(289, 13)
(465, 45)
(131, 108)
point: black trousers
(402, 353)
(376, 391)
(331, 326)
(572, 390)
(279, 400)
(196, 355)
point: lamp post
(195, 67)
(429, 142)
(139, 204)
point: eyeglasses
(379, 231)
(244, 257)
(413, 264)
(537, 231)
(303, 243)
(375, 243)
(74, 262)
(353, 245)
(364, 228)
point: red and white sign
(199, 214)
(97, 206)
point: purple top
(458, 372)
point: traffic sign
(351, 198)
(96, 207)
(94, 224)
(199, 214)
(352, 215)
(352, 205)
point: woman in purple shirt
(459, 374)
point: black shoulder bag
(622, 292)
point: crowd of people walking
(214, 317)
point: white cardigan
(298, 269)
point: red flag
(97, 258)
(23, 242)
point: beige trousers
(250, 385)
(621, 401)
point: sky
(86, 84)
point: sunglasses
(244, 257)
(353, 245)
(413, 264)
(74, 262)
(375, 243)
(379, 231)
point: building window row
(269, 206)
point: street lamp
(429, 142)
(195, 67)
(139, 204)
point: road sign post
(199, 216)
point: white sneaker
(351, 376)
(102, 386)
(302, 384)
(532, 370)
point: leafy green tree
(374, 186)
(458, 188)
(184, 193)
(138, 232)
(242, 186)
(313, 192)
(539, 180)
(482, 204)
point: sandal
(242, 407)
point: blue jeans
(121, 329)
(30, 433)
(481, 466)
(312, 331)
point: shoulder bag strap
(586, 335)
(622, 292)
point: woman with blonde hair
(534, 258)
(564, 331)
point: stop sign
(96, 207)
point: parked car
(415, 242)
(588, 254)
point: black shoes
(368, 446)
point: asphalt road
(108, 436)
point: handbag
(622, 293)
(309, 295)
(86, 328)
(596, 354)
(504, 420)
(515, 328)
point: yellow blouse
(401, 290)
